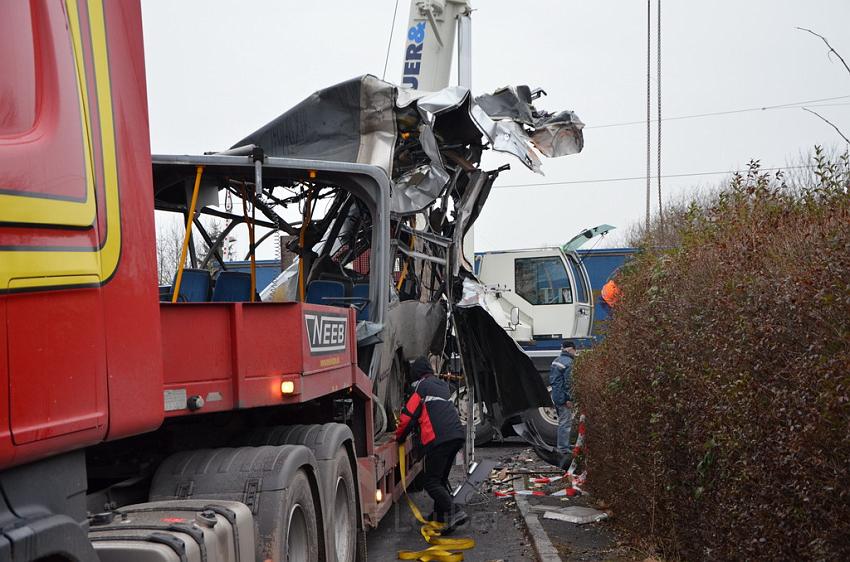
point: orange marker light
(312, 174)
(287, 387)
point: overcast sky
(218, 70)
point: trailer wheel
(300, 541)
(379, 416)
(395, 392)
(343, 508)
(484, 431)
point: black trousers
(438, 464)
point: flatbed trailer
(243, 362)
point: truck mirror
(515, 316)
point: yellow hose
(176, 290)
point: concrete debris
(575, 514)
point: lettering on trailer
(326, 332)
(413, 55)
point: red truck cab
(99, 381)
(80, 354)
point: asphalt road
(495, 524)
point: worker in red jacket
(431, 412)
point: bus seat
(232, 286)
(361, 300)
(195, 286)
(331, 293)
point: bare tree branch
(828, 122)
(831, 50)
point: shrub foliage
(719, 404)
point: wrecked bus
(406, 278)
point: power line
(635, 178)
(729, 112)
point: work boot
(457, 519)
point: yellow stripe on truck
(27, 269)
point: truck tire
(362, 554)
(329, 443)
(300, 540)
(277, 482)
(484, 431)
(343, 509)
(545, 421)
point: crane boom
(429, 43)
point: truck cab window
(542, 281)
(581, 288)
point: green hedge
(719, 404)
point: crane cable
(390, 42)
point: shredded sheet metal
(501, 372)
(369, 121)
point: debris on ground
(585, 537)
(575, 514)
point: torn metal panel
(367, 120)
(559, 134)
(445, 100)
(553, 134)
(417, 189)
(353, 121)
(420, 327)
(508, 103)
(467, 211)
(503, 375)
(508, 137)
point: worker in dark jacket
(441, 434)
(560, 378)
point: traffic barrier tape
(442, 548)
(578, 448)
(546, 479)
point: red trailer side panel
(236, 355)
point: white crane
(429, 42)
